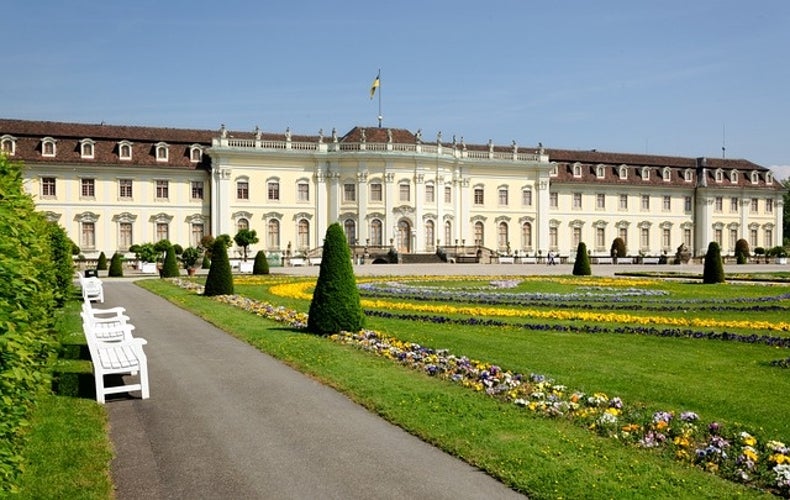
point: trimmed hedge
(219, 280)
(116, 266)
(713, 271)
(170, 267)
(581, 266)
(261, 265)
(101, 265)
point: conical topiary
(261, 265)
(581, 266)
(206, 263)
(116, 266)
(219, 280)
(713, 272)
(170, 267)
(335, 306)
(742, 251)
(101, 265)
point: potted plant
(189, 257)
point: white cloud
(781, 172)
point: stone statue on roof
(223, 132)
(320, 135)
(257, 133)
(334, 134)
(287, 133)
(389, 135)
(418, 136)
(364, 137)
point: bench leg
(99, 378)
(144, 380)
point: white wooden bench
(246, 267)
(314, 261)
(650, 260)
(121, 357)
(506, 260)
(528, 260)
(297, 261)
(92, 289)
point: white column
(362, 204)
(419, 202)
(321, 207)
(389, 205)
(542, 213)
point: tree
(742, 251)
(101, 265)
(170, 267)
(244, 238)
(713, 272)
(335, 306)
(581, 266)
(219, 280)
(786, 223)
(190, 256)
(261, 265)
(116, 266)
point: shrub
(170, 267)
(335, 306)
(741, 251)
(116, 266)
(261, 265)
(206, 264)
(102, 263)
(178, 249)
(219, 280)
(60, 245)
(581, 267)
(190, 256)
(244, 238)
(618, 247)
(713, 272)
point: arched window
(48, 146)
(479, 231)
(376, 238)
(448, 233)
(273, 234)
(242, 223)
(350, 228)
(429, 233)
(162, 152)
(526, 235)
(195, 153)
(8, 145)
(502, 236)
(303, 228)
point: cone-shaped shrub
(261, 265)
(581, 267)
(101, 265)
(741, 251)
(116, 266)
(713, 272)
(335, 306)
(219, 280)
(206, 264)
(170, 267)
(618, 247)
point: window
(623, 202)
(577, 201)
(8, 145)
(687, 237)
(448, 232)
(162, 231)
(125, 188)
(125, 150)
(349, 192)
(86, 149)
(503, 241)
(687, 204)
(753, 237)
(376, 192)
(769, 206)
(197, 234)
(717, 236)
(124, 235)
(48, 147)
(719, 176)
(161, 152)
(48, 187)
(88, 236)
(688, 176)
(479, 231)
(755, 206)
(718, 204)
(478, 193)
(623, 172)
(376, 236)
(576, 236)
(623, 233)
(242, 224)
(554, 201)
(448, 194)
(195, 153)
(242, 190)
(734, 179)
(303, 191)
(273, 191)
(503, 196)
(430, 195)
(644, 238)
(600, 201)
(88, 188)
(526, 197)
(734, 204)
(769, 178)
(645, 174)
(577, 170)
(555, 171)
(350, 228)
(755, 177)
(405, 191)
(768, 240)
(162, 190)
(303, 230)
(600, 237)
(273, 234)
(526, 235)
(600, 172)
(429, 233)
(733, 238)
(665, 237)
(197, 190)
(553, 237)
(666, 174)
(667, 203)
(645, 202)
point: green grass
(543, 458)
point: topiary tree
(206, 264)
(244, 238)
(618, 248)
(741, 251)
(116, 266)
(219, 280)
(335, 306)
(713, 272)
(261, 265)
(581, 266)
(170, 267)
(101, 265)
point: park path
(227, 421)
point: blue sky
(673, 77)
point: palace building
(114, 186)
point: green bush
(170, 267)
(219, 280)
(335, 306)
(60, 245)
(581, 266)
(261, 264)
(101, 265)
(713, 271)
(618, 247)
(206, 264)
(116, 266)
(741, 251)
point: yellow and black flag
(375, 85)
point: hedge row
(36, 276)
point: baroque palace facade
(114, 186)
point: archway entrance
(403, 243)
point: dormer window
(554, 172)
(161, 151)
(666, 174)
(577, 170)
(195, 153)
(719, 175)
(600, 172)
(8, 144)
(769, 178)
(623, 172)
(734, 177)
(645, 174)
(125, 150)
(87, 148)
(755, 177)
(48, 147)
(688, 176)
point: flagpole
(379, 79)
